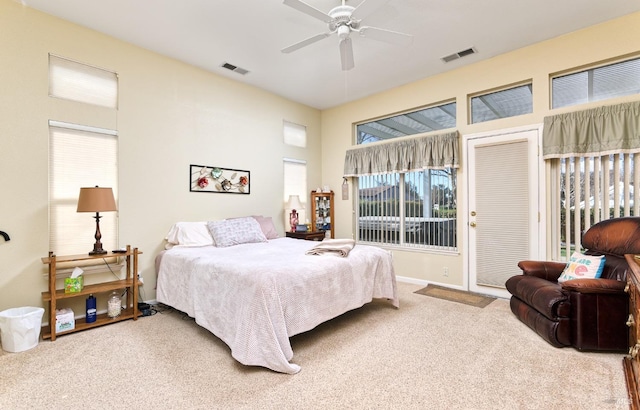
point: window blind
(295, 179)
(80, 158)
(83, 83)
(294, 134)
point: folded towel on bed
(339, 247)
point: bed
(255, 295)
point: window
(417, 122)
(83, 83)
(406, 187)
(502, 104)
(596, 84)
(592, 159)
(80, 157)
(295, 183)
(589, 190)
(411, 209)
(294, 134)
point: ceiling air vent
(234, 68)
(459, 54)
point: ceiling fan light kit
(342, 20)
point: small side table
(307, 236)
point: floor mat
(454, 295)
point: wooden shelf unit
(322, 218)
(130, 283)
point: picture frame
(212, 179)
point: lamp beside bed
(294, 204)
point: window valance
(598, 131)
(414, 154)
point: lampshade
(96, 199)
(294, 202)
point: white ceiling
(250, 34)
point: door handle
(472, 224)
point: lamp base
(293, 220)
(97, 246)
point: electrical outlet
(445, 271)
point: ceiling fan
(343, 20)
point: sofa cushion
(546, 297)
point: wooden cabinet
(322, 212)
(631, 363)
(129, 283)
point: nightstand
(307, 236)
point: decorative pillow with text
(582, 267)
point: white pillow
(189, 234)
(582, 267)
(235, 231)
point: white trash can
(20, 328)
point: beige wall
(597, 43)
(170, 115)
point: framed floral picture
(204, 178)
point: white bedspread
(255, 296)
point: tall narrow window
(295, 183)
(80, 157)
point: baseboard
(413, 281)
(422, 282)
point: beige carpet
(454, 295)
(429, 354)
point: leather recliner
(588, 314)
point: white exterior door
(503, 206)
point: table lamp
(293, 204)
(96, 200)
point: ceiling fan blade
(387, 36)
(306, 42)
(346, 54)
(309, 10)
(367, 7)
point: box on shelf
(73, 285)
(65, 320)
